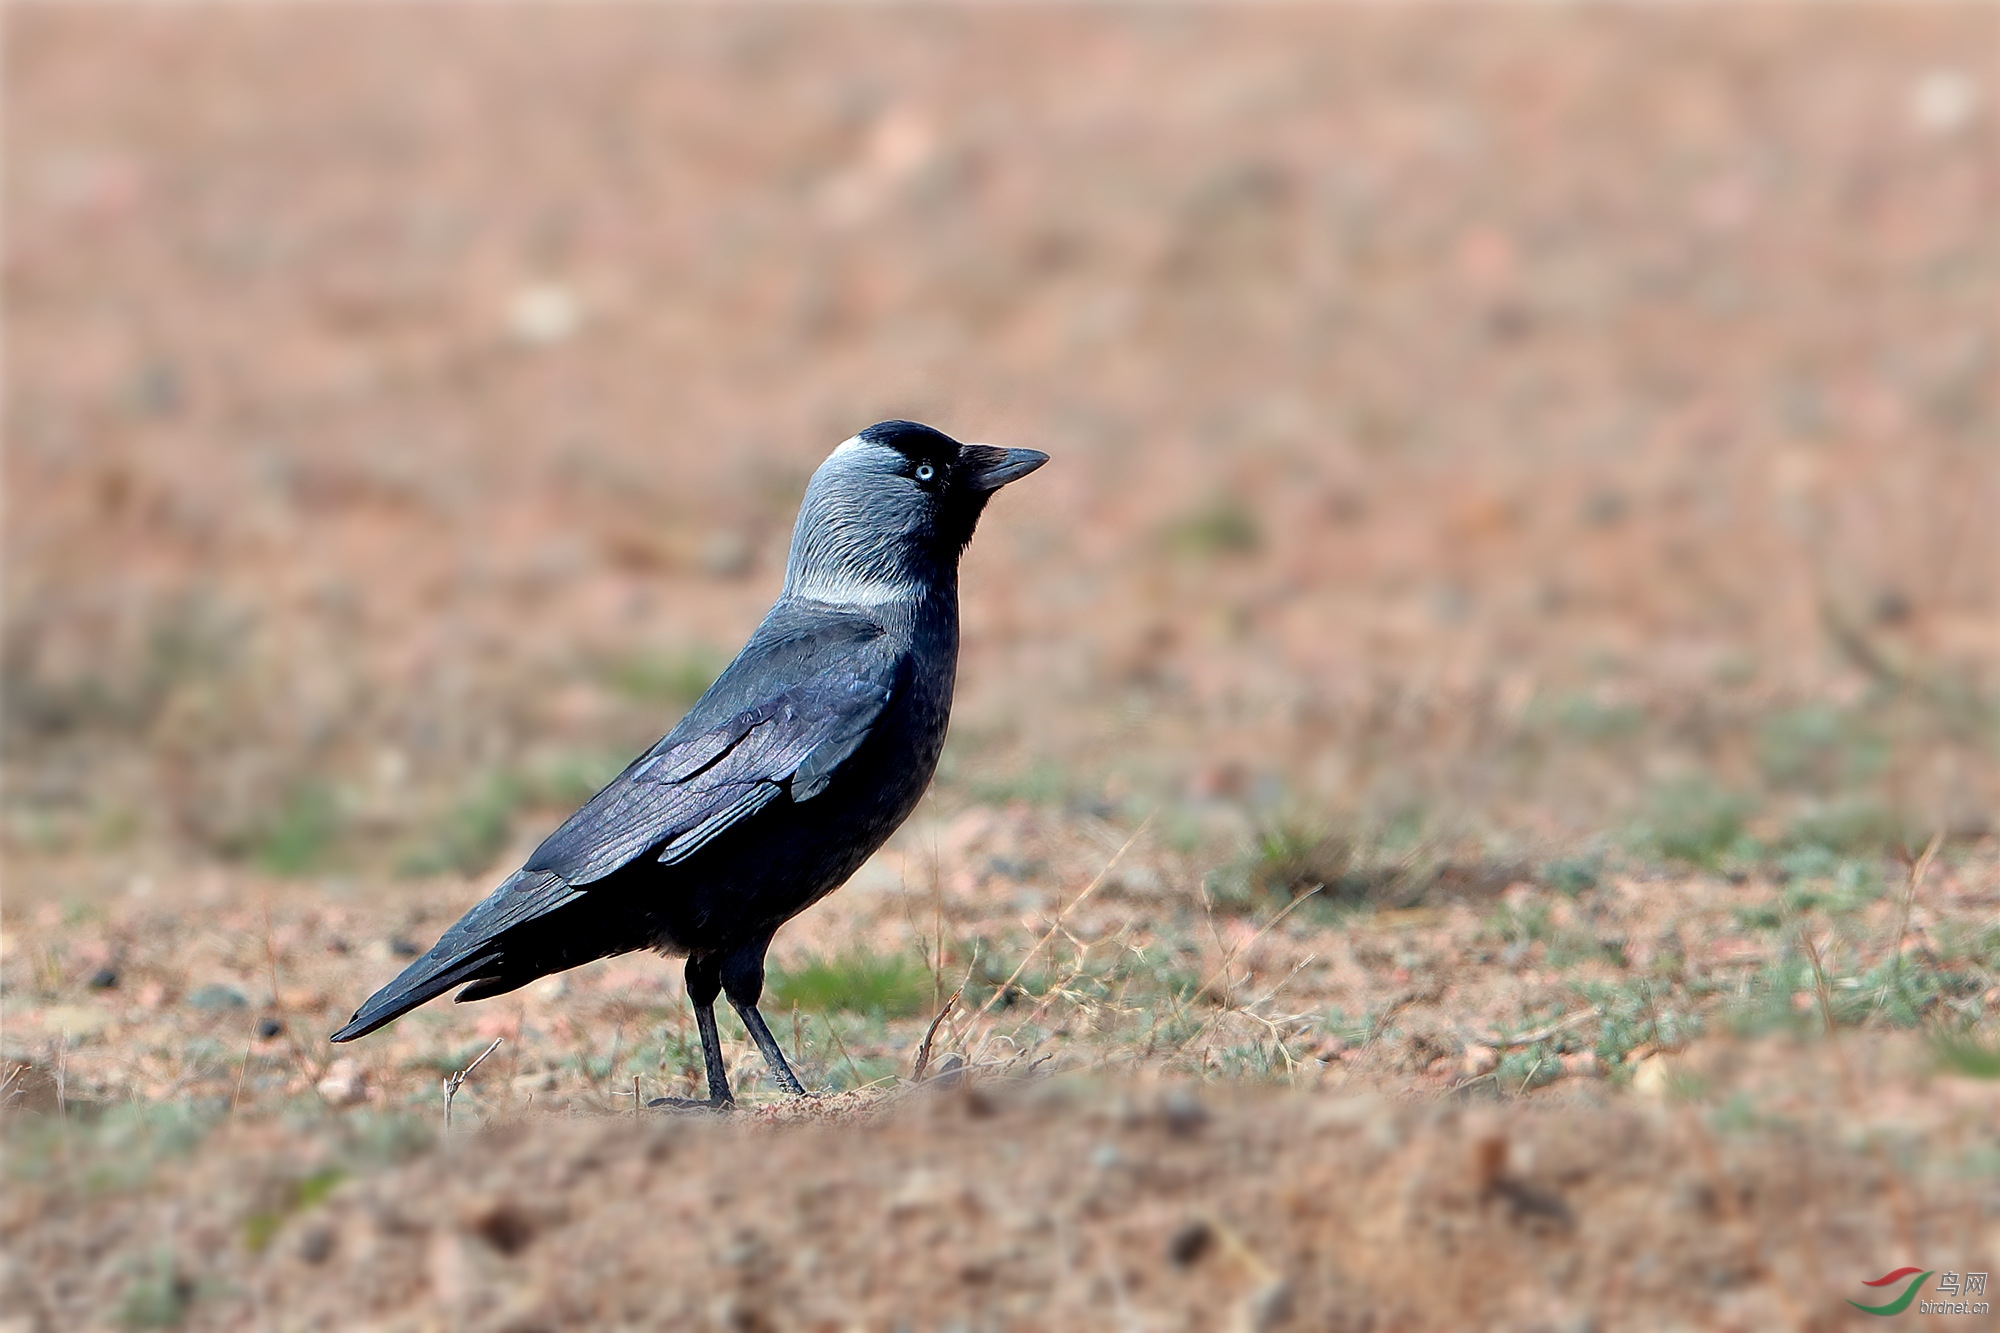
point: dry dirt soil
(1472, 797)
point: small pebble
(1269, 1307)
(344, 1084)
(544, 314)
(1191, 1240)
(217, 997)
(1943, 101)
(316, 1244)
(1183, 1112)
(725, 554)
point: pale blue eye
(925, 472)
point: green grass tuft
(1585, 717)
(1222, 526)
(1964, 1053)
(572, 779)
(299, 839)
(472, 833)
(1045, 784)
(1849, 828)
(1574, 875)
(1695, 821)
(159, 1294)
(859, 981)
(1288, 861)
(260, 1227)
(120, 1148)
(1638, 1010)
(1819, 748)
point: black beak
(997, 467)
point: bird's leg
(703, 985)
(761, 1034)
(743, 982)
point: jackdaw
(800, 760)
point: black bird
(800, 760)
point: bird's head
(887, 515)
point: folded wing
(794, 705)
(678, 799)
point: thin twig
(1276, 1027)
(611, 1061)
(1244, 947)
(1915, 878)
(937, 903)
(924, 1049)
(1180, 1006)
(1824, 991)
(1061, 989)
(798, 1033)
(243, 1069)
(1272, 993)
(841, 1046)
(300, 1059)
(270, 951)
(456, 1081)
(1542, 1033)
(1040, 944)
(1232, 1240)
(1465, 1083)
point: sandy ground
(1079, 1208)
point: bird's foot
(691, 1104)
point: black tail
(473, 950)
(425, 979)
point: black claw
(690, 1104)
(760, 1033)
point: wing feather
(691, 788)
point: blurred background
(1504, 428)
(1524, 494)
